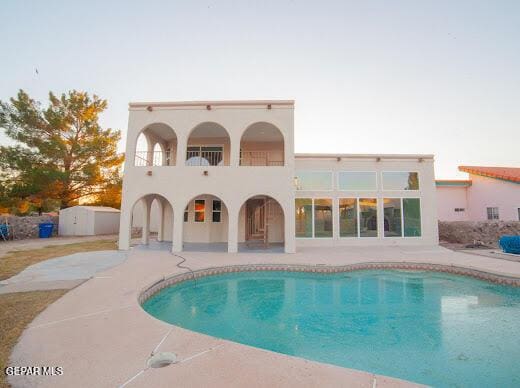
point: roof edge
(205, 103)
(453, 182)
(363, 156)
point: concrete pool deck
(101, 336)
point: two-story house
(225, 173)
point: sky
(421, 77)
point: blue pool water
(431, 328)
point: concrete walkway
(63, 272)
(102, 337)
(35, 243)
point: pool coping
(150, 290)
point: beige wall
(449, 198)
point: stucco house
(490, 193)
(225, 172)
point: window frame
(200, 145)
(195, 211)
(186, 216)
(338, 188)
(313, 235)
(357, 219)
(401, 190)
(488, 208)
(402, 217)
(332, 188)
(213, 211)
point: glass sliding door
(303, 213)
(323, 218)
(392, 217)
(368, 217)
(348, 218)
(412, 217)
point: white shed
(88, 221)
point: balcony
(204, 156)
(260, 158)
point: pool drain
(160, 360)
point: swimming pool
(427, 327)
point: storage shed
(88, 221)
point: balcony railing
(153, 158)
(260, 158)
(204, 158)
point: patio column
(125, 225)
(160, 231)
(182, 144)
(178, 224)
(232, 230)
(289, 223)
(145, 238)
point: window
(412, 217)
(459, 209)
(186, 214)
(357, 180)
(397, 180)
(368, 217)
(348, 217)
(313, 180)
(217, 210)
(303, 217)
(392, 217)
(200, 209)
(204, 156)
(313, 217)
(492, 213)
(323, 218)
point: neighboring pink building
(491, 193)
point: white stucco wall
(448, 199)
(489, 192)
(233, 184)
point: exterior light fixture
(149, 172)
(205, 173)
(208, 107)
(338, 158)
(378, 159)
(149, 108)
(421, 160)
(269, 106)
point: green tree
(61, 151)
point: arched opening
(262, 144)
(208, 145)
(152, 220)
(205, 225)
(156, 146)
(261, 224)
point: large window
(313, 180)
(368, 217)
(313, 217)
(392, 220)
(200, 210)
(398, 180)
(402, 217)
(348, 225)
(303, 217)
(323, 218)
(492, 213)
(357, 180)
(412, 217)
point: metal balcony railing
(153, 158)
(260, 158)
(204, 158)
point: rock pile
(484, 232)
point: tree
(61, 152)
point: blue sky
(439, 77)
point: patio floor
(101, 336)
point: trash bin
(45, 229)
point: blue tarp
(510, 244)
